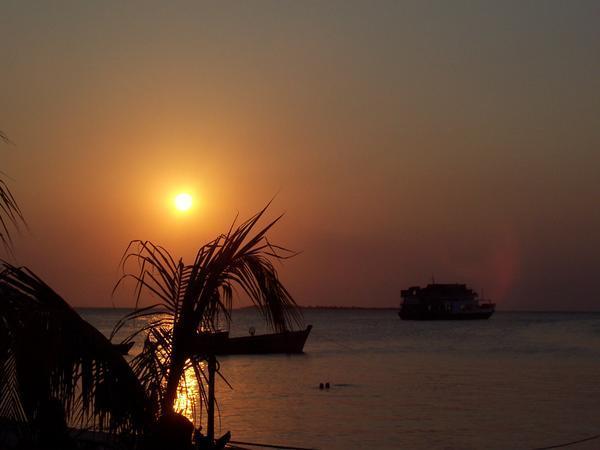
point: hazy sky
(402, 139)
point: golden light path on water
(188, 401)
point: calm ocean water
(516, 381)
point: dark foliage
(49, 354)
(198, 297)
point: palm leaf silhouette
(199, 296)
(49, 353)
(10, 213)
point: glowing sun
(183, 201)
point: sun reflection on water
(188, 398)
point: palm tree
(197, 297)
(48, 353)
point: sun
(183, 201)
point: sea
(520, 380)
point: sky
(402, 140)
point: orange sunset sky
(401, 140)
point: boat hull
(220, 343)
(287, 342)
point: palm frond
(10, 405)
(199, 296)
(52, 354)
(10, 213)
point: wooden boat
(221, 344)
(286, 342)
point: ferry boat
(444, 302)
